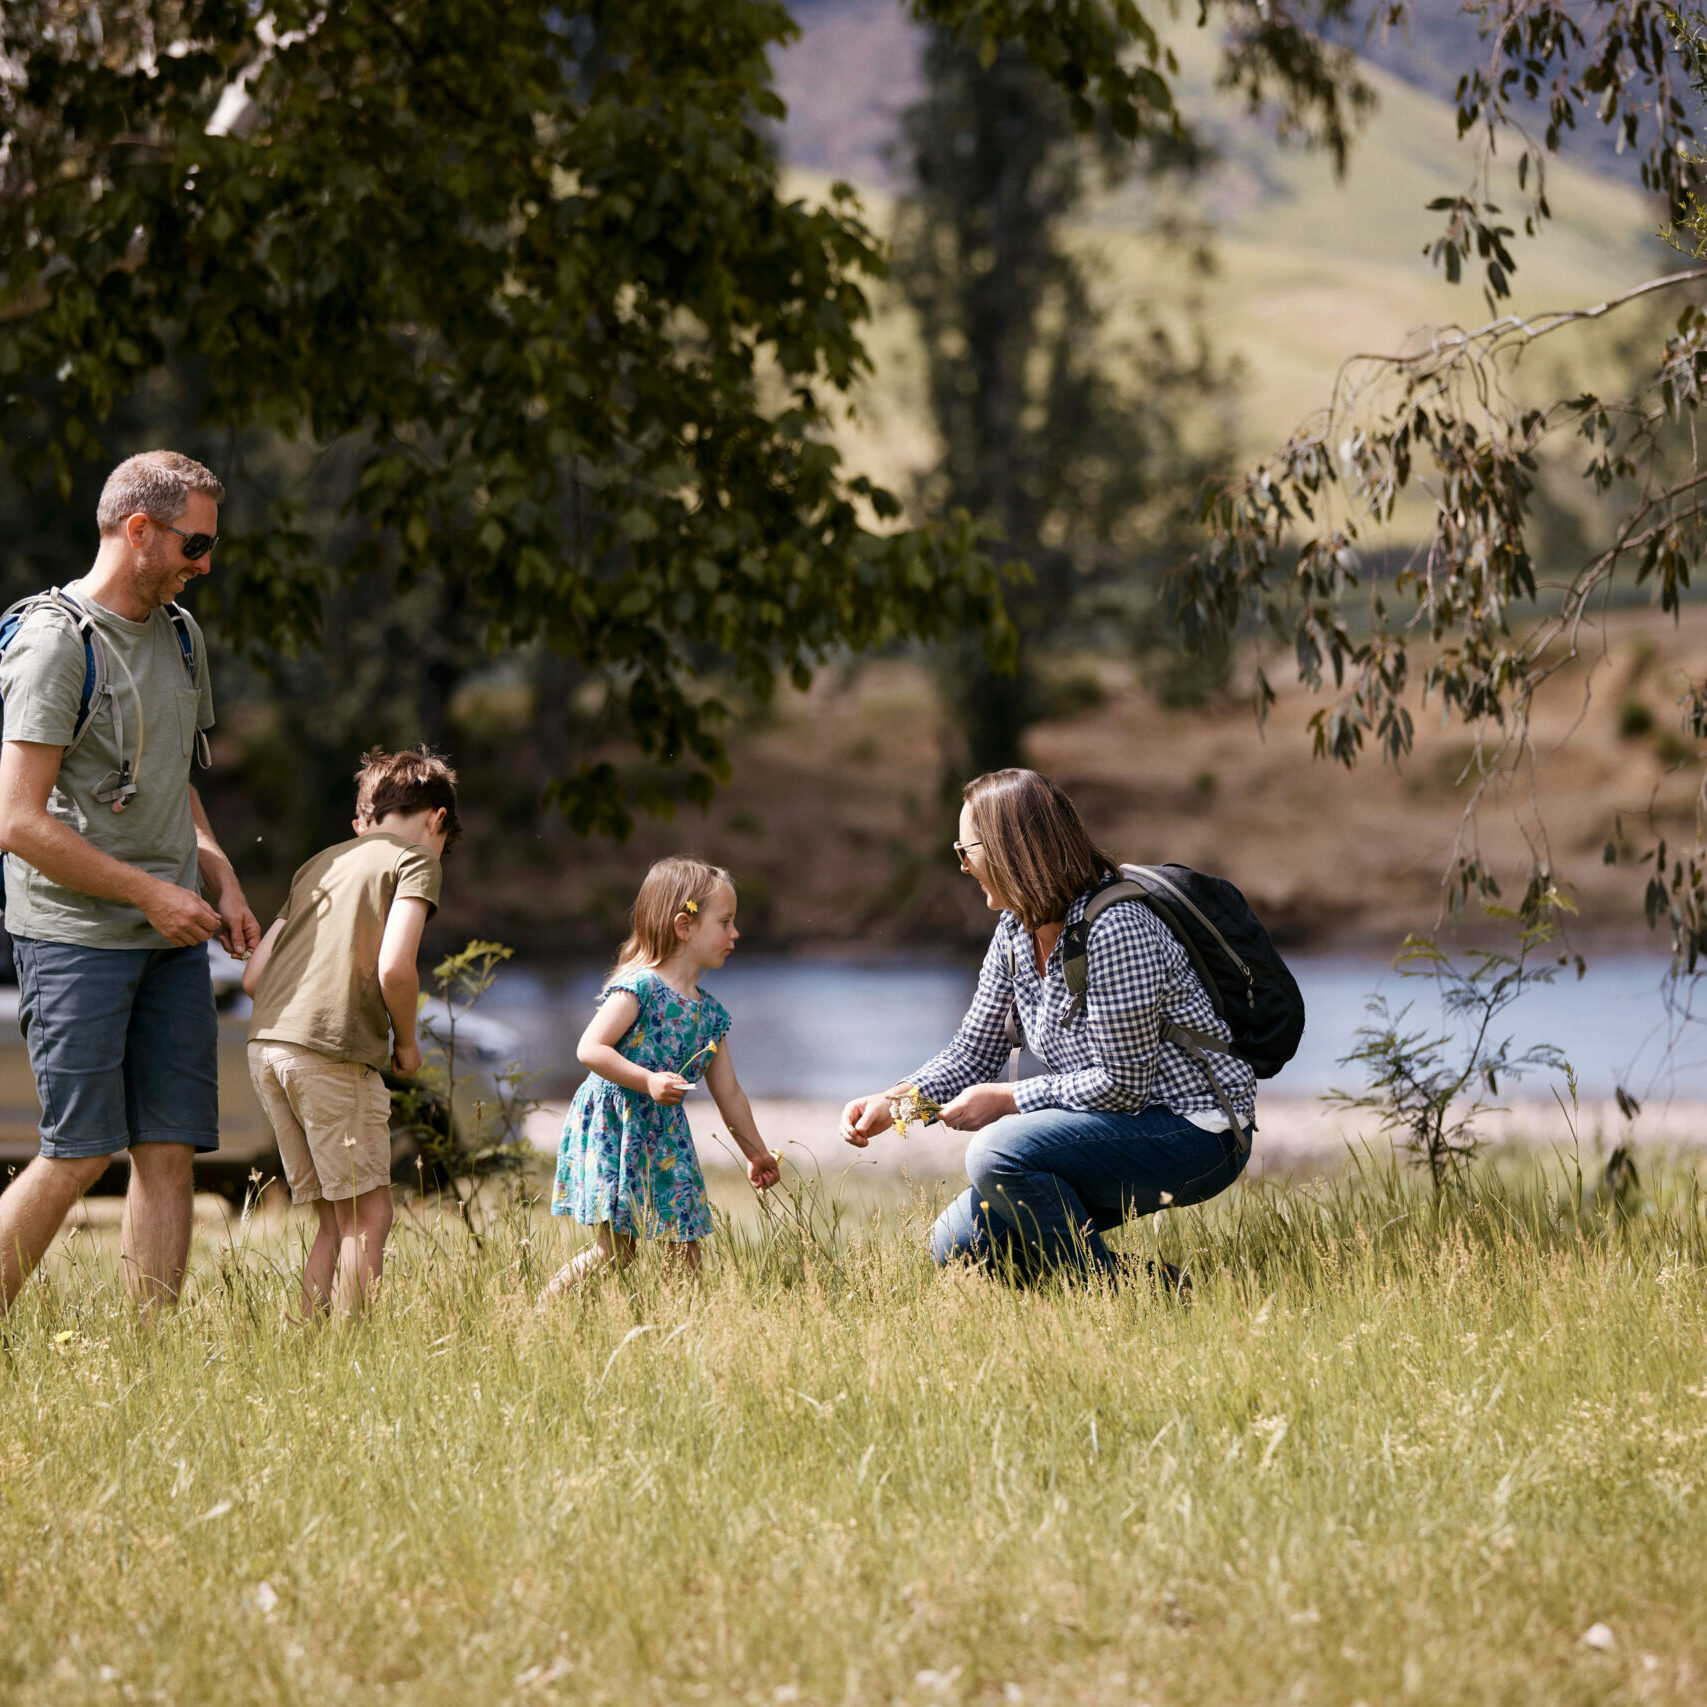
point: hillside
(1309, 270)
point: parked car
(485, 1049)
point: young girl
(627, 1165)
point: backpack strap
(94, 683)
(1194, 1043)
(1075, 939)
(180, 620)
(1016, 1036)
(1075, 966)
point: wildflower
(709, 1049)
(65, 1337)
(912, 1105)
(690, 907)
(984, 1204)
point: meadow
(1397, 1450)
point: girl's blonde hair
(666, 892)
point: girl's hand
(763, 1171)
(667, 1088)
(978, 1106)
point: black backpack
(1241, 971)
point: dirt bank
(837, 823)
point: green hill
(1310, 270)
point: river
(833, 1027)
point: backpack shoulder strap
(1075, 938)
(180, 620)
(94, 685)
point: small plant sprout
(1429, 1092)
(910, 1106)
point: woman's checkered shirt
(1111, 1056)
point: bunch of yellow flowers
(912, 1105)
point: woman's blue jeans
(1046, 1186)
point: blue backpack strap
(94, 653)
(180, 620)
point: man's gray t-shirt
(41, 684)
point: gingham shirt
(1110, 1057)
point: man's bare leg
(31, 1211)
(154, 1240)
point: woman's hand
(667, 1088)
(866, 1116)
(978, 1105)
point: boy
(337, 965)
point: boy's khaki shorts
(332, 1120)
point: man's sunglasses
(195, 544)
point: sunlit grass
(1398, 1449)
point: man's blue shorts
(124, 1044)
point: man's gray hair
(157, 483)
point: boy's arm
(737, 1115)
(399, 981)
(257, 963)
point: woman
(1122, 1123)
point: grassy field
(1395, 1452)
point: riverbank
(1296, 1136)
(838, 815)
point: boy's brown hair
(1037, 852)
(416, 780)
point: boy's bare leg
(363, 1224)
(321, 1265)
(32, 1209)
(154, 1237)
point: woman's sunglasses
(195, 544)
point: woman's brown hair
(673, 886)
(1038, 856)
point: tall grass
(1400, 1449)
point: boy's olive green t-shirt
(320, 987)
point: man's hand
(406, 1059)
(241, 932)
(978, 1105)
(182, 918)
(864, 1117)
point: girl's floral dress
(629, 1160)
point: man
(108, 853)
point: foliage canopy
(530, 272)
(1302, 541)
